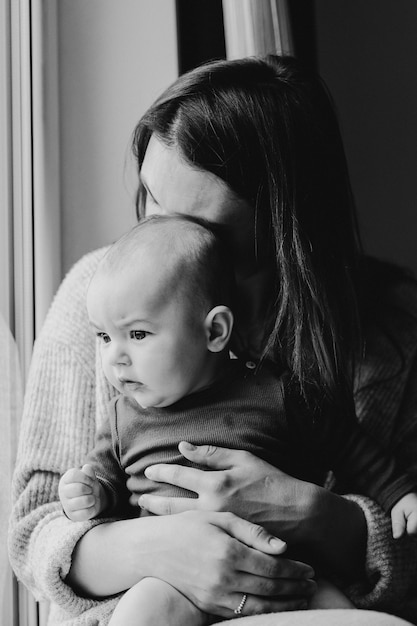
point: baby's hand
(81, 494)
(404, 516)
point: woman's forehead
(177, 187)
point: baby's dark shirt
(245, 410)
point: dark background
(366, 51)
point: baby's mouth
(130, 385)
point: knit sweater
(66, 400)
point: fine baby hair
(194, 254)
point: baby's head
(160, 303)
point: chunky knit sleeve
(391, 566)
(386, 401)
(57, 430)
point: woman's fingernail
(141, 501)
(309, 573)
(148, 472)
(277, 543)
(189, 445)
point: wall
(115, 57)
(367, 53)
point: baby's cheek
(108, 372)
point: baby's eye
(104, 337)
(138, 335)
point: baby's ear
(218, 325)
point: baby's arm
(82, 495)
(404, 516)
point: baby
(161, 305)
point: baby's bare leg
(152, 602)
(328, 596)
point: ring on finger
(239, 609)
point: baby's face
(153, 347)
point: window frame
(30, 260)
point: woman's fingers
(269, 592)
(252, 535)
(185, 477)
(259, 605)
(161, 505)
(253, 562)
(276, 587)
(209, 456)
(239, 558)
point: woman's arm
(386, 404)
(57, 430)
(237, 557)
(335, 534)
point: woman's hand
(238, 482)
(330, 530)
(215, 558)
(212, 558)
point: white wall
(115, 57)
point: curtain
(29, 237)
(257, 27)
(10, 410)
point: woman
(253, 145)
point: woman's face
(173, 186)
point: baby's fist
(81, 494)
(404, 516)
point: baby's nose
(120, 356)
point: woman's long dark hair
(268, 129)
